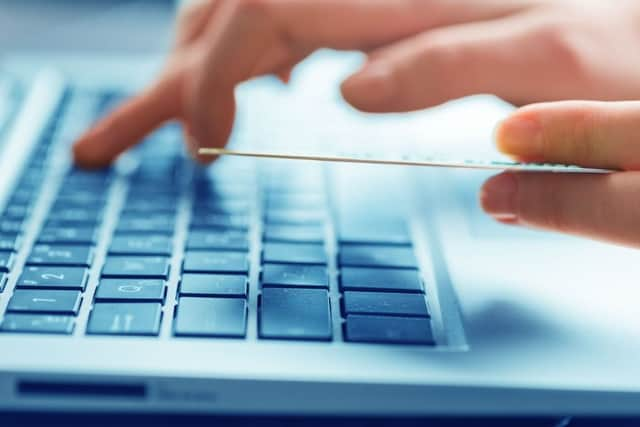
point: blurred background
(86, 25)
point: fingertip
(87, 152)
(520, 136)
(498, 197)
(371, 89)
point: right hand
(420, 53)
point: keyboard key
(131, 290)
(149, 223)
(213, 220)
(295, 201)
(294, 233)
(39, 324)
(136, 266)
(216, 262)
(288, 216)
(294, 275)
(68, 234)
(388, 330)
(53, 277)
(63, 214)
(38, 301)
(211, 317)
(146, 206)
(218, 239)
(295, 314)
(82, 196)
(385, 303)
(389, 233)
(137, 244)
(380, 279)
(17, 211)
(10, 226)
(6, 260)
(45, 254)
(377, 256)
(125, 319)
(294, 253)
(205, 203)
(224, 285)
(10, 241)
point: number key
(53, 277)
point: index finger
(128, 124)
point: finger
(494, 56)
(595, 134)
(597, 206)
(128, 124)
(251, 38)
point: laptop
(277, 287)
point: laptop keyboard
(162, 248)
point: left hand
(590, 134)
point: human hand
(591, 134)
(420, 53)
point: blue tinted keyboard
(160, 248)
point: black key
(294, 233)
(16, 211)
(68, 234)
(211, 317)
(287, 216)
(385, 303)
(38, 301)
(131, 290)
(125, 319)
(294, 253)
(6, 260)
(377, 256)
(82, 196)
(136, 266)
(37, 323)
(388, 330)
(137, 206)
(213, 220)
(380, 279)
(205, 203)
(3, 281)
(224, 285)
(139, 244)
(216, 262)
(218, 239)
(72, 214)
(150, 223)
(45, 254)
(10, 226)
(53, 277)
(295, 314)
(10, 241)
(294, 275)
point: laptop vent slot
(80, 390)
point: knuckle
(565, 44)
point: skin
(422, 53)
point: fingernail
(371, 86)
(498, 197)
(520, 137)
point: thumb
(591, 134)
